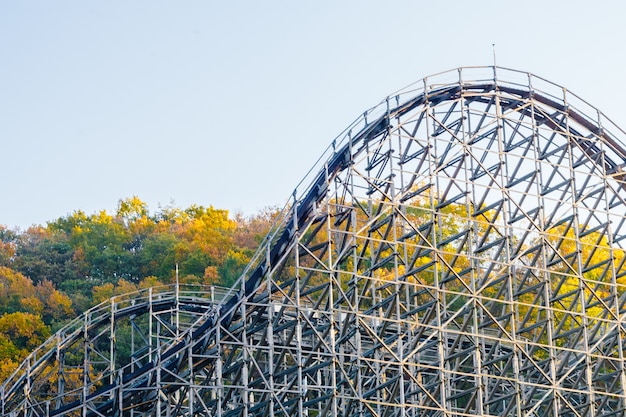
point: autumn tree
(20, 333)
(79, 254)
(18, 293)
(8, 245)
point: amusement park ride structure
(458, 251)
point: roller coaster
(457, 251)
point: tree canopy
(49, 274)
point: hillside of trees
(50, 274)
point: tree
(8, 245)
(43, 254)
(19, 294)
(57, 305)
(158, 256)
(250, 231)
(20, 333)
(132, 209)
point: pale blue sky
(230, 103)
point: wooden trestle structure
(457, 251)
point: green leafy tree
(232, 267)
(43, 254)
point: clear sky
(229, 103)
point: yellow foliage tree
(20, 333)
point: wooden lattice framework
(458, 251)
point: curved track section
(112, 343)
(458, 251)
